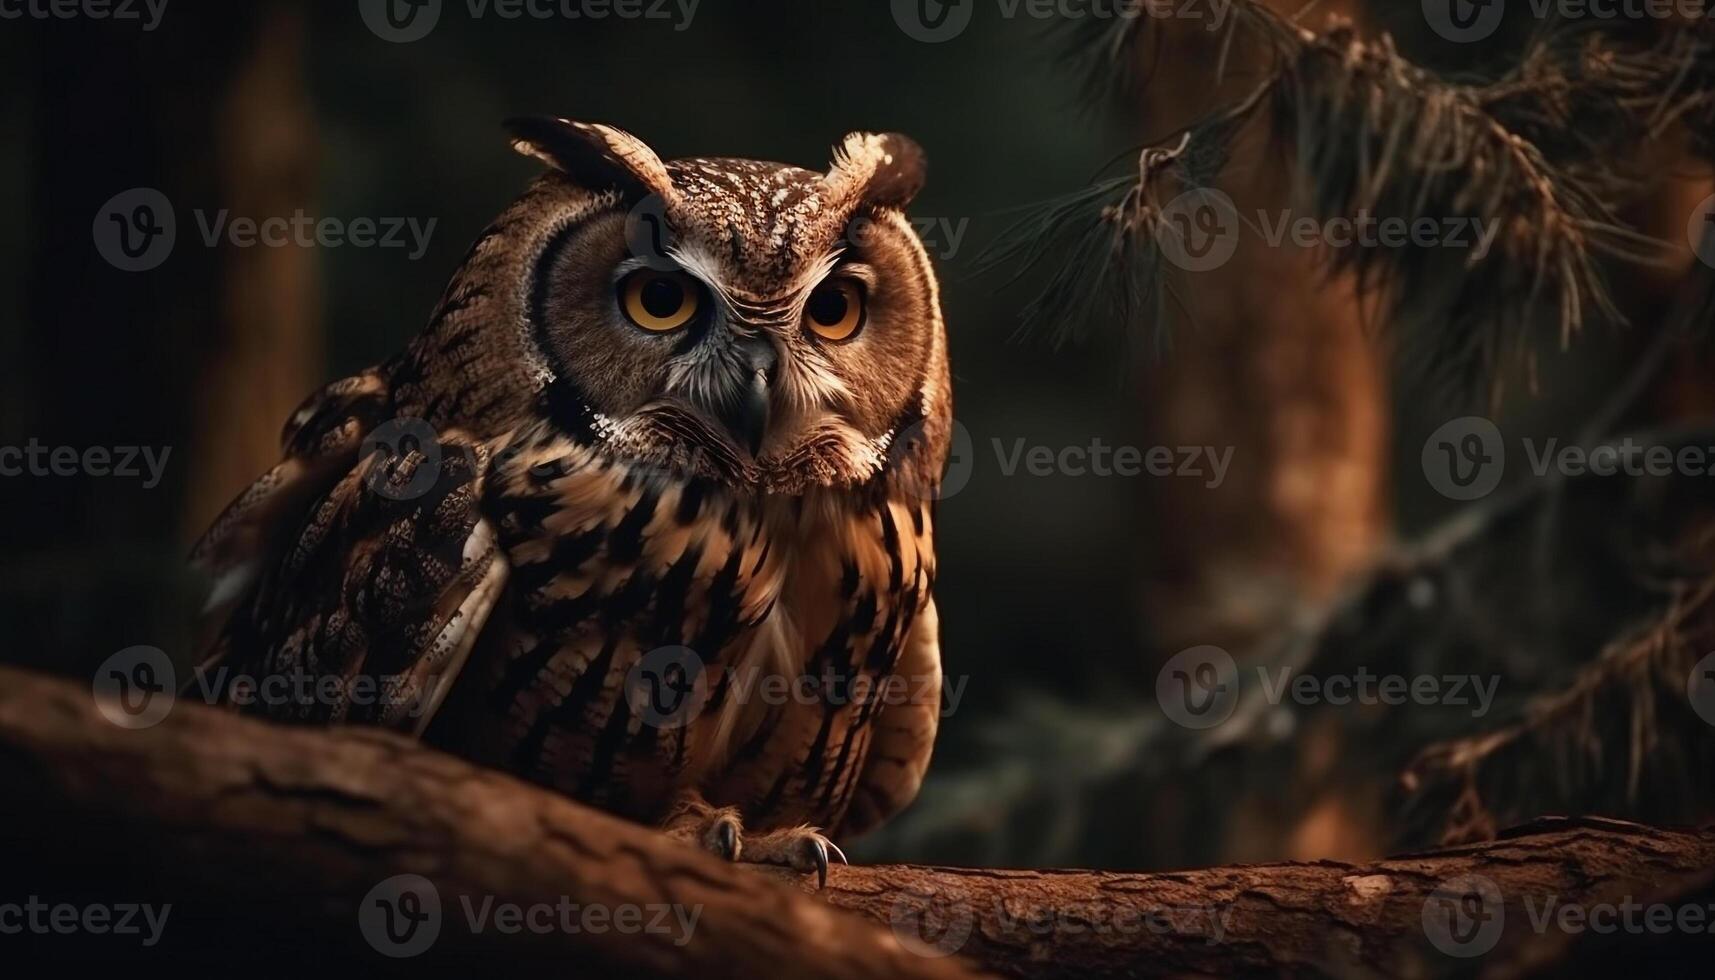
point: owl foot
(720, 831)
(803, 849)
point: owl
(645, 514)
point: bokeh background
(1060, 595)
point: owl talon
(726, 839)
(719, 832)
(821, 865)
(802, 849)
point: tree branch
(270, 844)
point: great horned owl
(677, 411)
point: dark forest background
(1060, 596)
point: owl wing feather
(351, 586)
(903, 735)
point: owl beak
(747, 418)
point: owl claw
(725, 838)
(802, 849)
(821, 865)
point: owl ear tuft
(884, 169)
(594, 155)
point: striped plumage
(589, 498)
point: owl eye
(660, 301)
(836, 309)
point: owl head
(767, 326)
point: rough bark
(268, 842)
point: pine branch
(1621, 738)
(1534, 154)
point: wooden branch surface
(273, 846)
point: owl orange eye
(836, 309)
(660, 301)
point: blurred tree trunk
(210, 112)
(265, 354)
(1270, 356)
